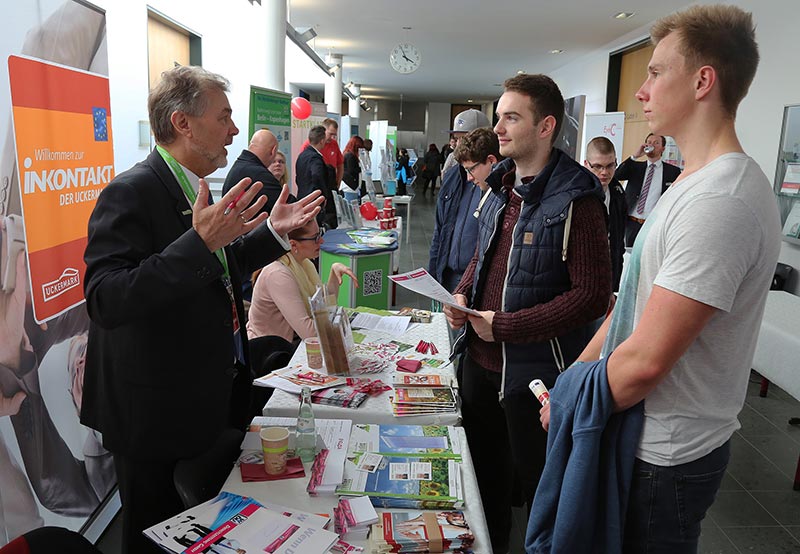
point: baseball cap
(469, 120)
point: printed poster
(55, 157)
(271, 109)
(62, 130)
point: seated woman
(280, 295)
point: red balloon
(301, 108)
(369, 211)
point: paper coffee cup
(313, 353)
(274, 443)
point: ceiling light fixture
(556, 51)
(469, 100)
(520, 72)
(623, 15)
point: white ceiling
(468, 47)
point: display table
(292, 494)
(372, 268)
(777, 355)
(404, 200)
(378, 409)
(375, 224)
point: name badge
(527, 238)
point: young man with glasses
(455, 230)
(601, 159)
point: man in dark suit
(601, 159)
(647, 181)
(312, 174)
(254, 162)
(166, 363)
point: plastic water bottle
(306, 445)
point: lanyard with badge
(191, 196)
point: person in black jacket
(254, 162)
(641, 195)
(432, 163)
(163, 290)
(352, 168)
(601, 159)
(312, 174)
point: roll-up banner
(56, 158)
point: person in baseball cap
(455, 230)
(464, 122)
(469, 120)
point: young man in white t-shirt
(683, 331)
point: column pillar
(275, 43)
(333, 85)
(354, 108)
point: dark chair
(267, 354)
(782, 273)
(201, 478)
(47, 540)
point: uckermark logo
(70, 278)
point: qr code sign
(373, 282)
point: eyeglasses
(315, 238)
(471, 169)
(600, 167)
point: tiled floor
(756, 510)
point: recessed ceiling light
(623, 15)
(469, 100)
(556, 51)
(520, 72)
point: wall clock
(405, 58)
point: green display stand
(371, 268)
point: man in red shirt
(330, 150)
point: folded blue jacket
(582, 497)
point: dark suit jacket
(160, 375)
(617, 213)
(249, 165)
(312, 174)
(634, 172)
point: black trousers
(148, 497)
(507, 444)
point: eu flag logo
(100, 124)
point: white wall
(437, 124)
(760, 115)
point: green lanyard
(183, 181)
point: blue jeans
(667, 504)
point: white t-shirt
(713, 237)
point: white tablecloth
(292, 493)
(777, 354)
(378, 409)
